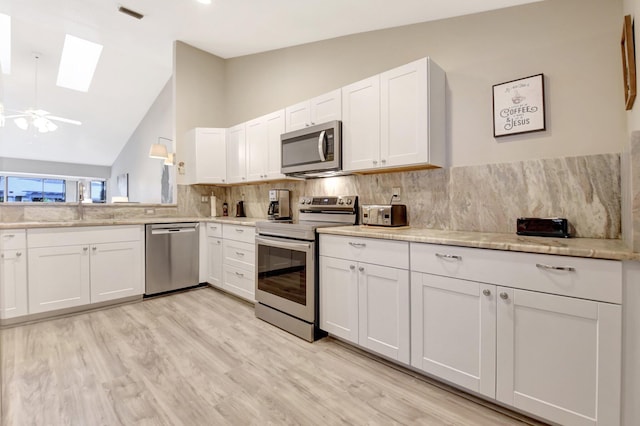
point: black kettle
(240, 209)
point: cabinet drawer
(594, 279)
(239, 254)
(57, 237)
(369, 250)
(13, 239)
(242, 233)
(214, 229)
(239, 282)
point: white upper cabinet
(205, 156)
(236, 154)
(263, 146)
(395, 119)
(323, 108)
(361, 124)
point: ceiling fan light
(22, 123)
(158, 151)
(51, 126)
(40, 122)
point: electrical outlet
(149, 211)
(204, 198)
(396, 194)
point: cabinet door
(298, 116)
(240, 282)
(361, 124)
(453, 330)
(559, 357)
(257, 149)
(327, 107)
(210, 159)
(236, 154)
(116, 270)
(13, 283)
(274, 124)
(404, 115)
(383, 311)
(339, 298)
(214, 261)
(58, 278)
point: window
(1, 189)
(30, 189)
(98, 191)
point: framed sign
(518, 106)
(628, 63)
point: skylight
(5, 43)
(78, 63)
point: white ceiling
(136, 61)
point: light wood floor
(202, 358)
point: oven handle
(283, 244)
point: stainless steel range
(287, 263)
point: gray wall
(145, 174)
(575, 43)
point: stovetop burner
(315, 212)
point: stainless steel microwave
(314, 151)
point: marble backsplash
(486, 198)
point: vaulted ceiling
(136, 61)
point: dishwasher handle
(171, 231)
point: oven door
(285, 276)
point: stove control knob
(308, 201)
(340, 201)
(348, 201)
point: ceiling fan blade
(39, 112)
(16, 116)
(64, 120)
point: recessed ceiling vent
(130, 12)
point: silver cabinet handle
(85, 248)
(239, 274)
(239, 253)
(94, 248)
(375, 161)
(352, 267)
(357, 244)
(18, 253)
(9, 235)
(555, 268)
(2, 255)
(383, 161)
(361, 269)
(218, 242)
(239, 230)
(486, 292)
(448, 256)
(504, 296)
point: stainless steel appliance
(171, 257)
(279, 204)
(384, 214)
(287, 263)
(314, 151)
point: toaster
(384, 214)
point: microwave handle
(321, 146)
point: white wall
(575, 43)
(145, 174)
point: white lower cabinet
(214, 261)
(59, 277)
(556, 356)
(238, 260)
(70, 267)
(453, 331)
(13, 283)
(115, 270)
(365, 303)
(559, 357)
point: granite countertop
(578, 247)
(247, 221)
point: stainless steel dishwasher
(171, 257)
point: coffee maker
(279, 208)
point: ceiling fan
(39, 119)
